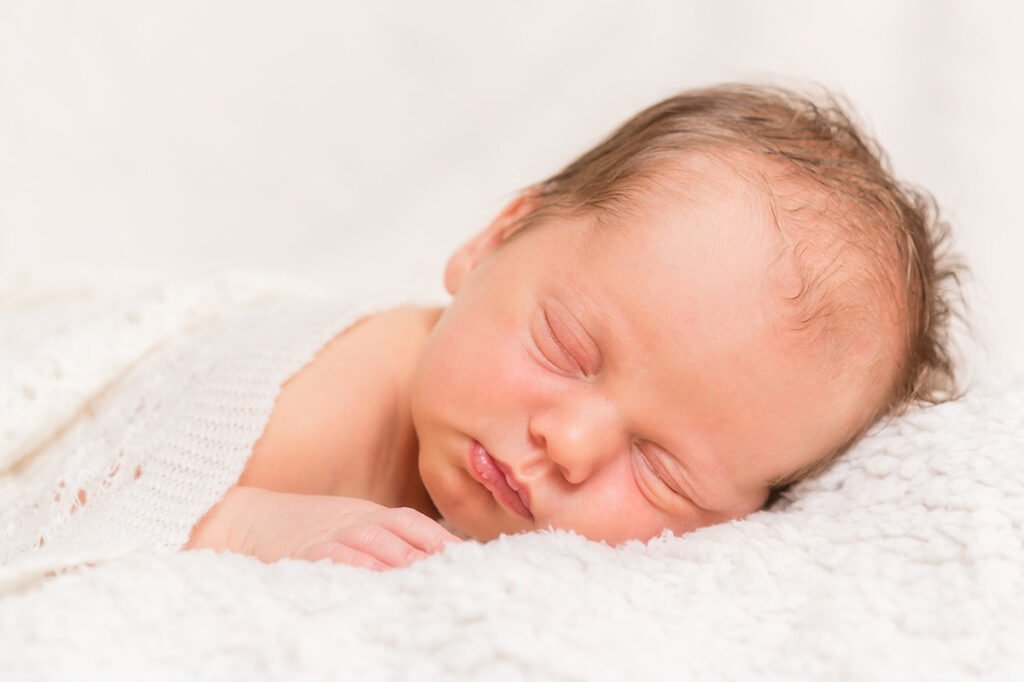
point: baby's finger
(416, 528)
(381, 543)
(343, 554)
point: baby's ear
(469, 255)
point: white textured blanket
(904, 561)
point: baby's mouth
(499, 479)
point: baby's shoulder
(331, 415)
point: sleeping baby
(713, 303)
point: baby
(713, 303)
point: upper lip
(513, 482)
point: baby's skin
(616, 380)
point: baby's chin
(447, 525)
(471, 530)
(471, 534)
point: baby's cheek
(616, 514)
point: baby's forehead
(748, 200)
(826, 277)
(718, 203)
(711, 180)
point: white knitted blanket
(904, 561)
(126, 419)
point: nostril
(567, 474)
(536, 439)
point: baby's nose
(580, 438)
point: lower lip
(484, 469)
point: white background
(361, 142)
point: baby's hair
(897, 239)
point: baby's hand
(272, 525)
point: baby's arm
(272, 525)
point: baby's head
(713, 303)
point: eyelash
(650, 466)
(551, 334)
